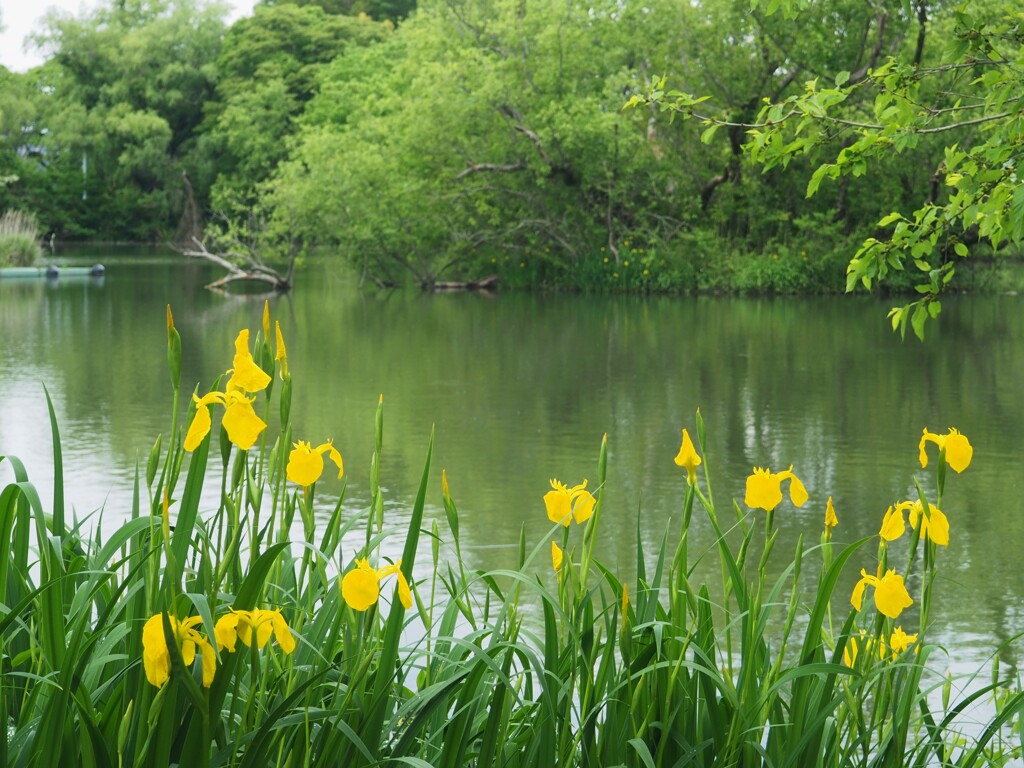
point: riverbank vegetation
(19, 239)
(454, 139)
(231, 620)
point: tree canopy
(944, 90)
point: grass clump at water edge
(19, 239)
(213, 637)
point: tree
(269, 68)
(380, 10)
(118, 107)
(17, 110)
(950, 92)
(481, 132)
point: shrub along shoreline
(209, 637)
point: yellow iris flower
(566, 504)
(245, 374)
(688, 458)
(831, 520)
(891, 595)
(156, 658)
(934, 525)
(764, 489)
(900, 641)
(556, 556)
(240, 420)
(361, 586)
(893, 525)
(854, 645)
(957, 446)
(306, 464)
(241, 624)
(282, 354)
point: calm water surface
(520, 388)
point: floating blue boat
(52, 271)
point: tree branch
(253, 272)
(490, 167)
(880, 19)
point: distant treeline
(462, 138)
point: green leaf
(918, 321)
(961, 250)
(640, 747)
(708, 134)
(842, 78)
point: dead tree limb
(251, 272)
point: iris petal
(958, 451)
(926, 437)
(282, 632)
(155, 660)
(893, 525)
(559, 506)
(797, 492)
(763, 490)
(934, 525)
(226, 631)
(361, 588)
(584, 506)
(188, 652)
(850, 652)
(857, 598)
(199, 428)
(304, 465)
(245, 621)
(242, 423)
(891, 596)
(246, 374)
(264, 627)
(209, 662)
(158, 666)
(404, 593)
(336, 458)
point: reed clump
(216, 637)
(19, 239)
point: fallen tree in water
(489, 283)
(247, 267)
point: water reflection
(521, 388)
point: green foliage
(479, 132)
(952, 107)
(269, 67)
(380, 10)
(114, 118)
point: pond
(520, 388)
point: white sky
(19, 18)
